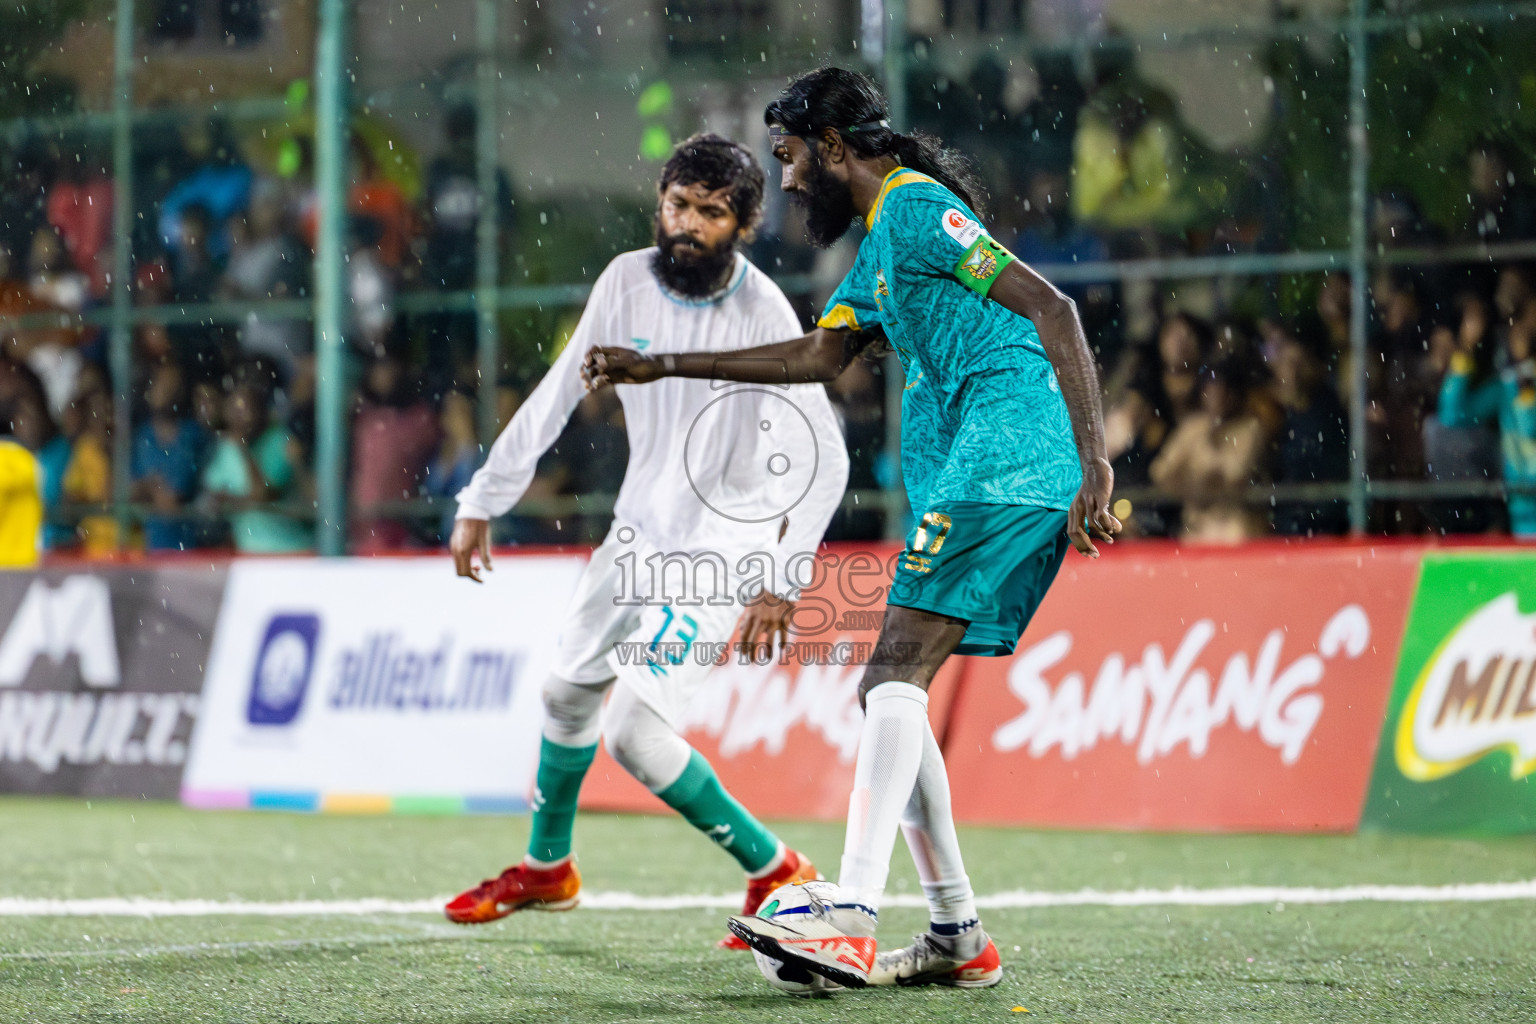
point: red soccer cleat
(517, 888)
(797, 867)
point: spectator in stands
(1237, 343)
(1213, 458)
(1516, 286)
(1508, 396)
(1503, 200)
(88, 424)
(195, 271)
(1333, 305)
(1464, 448)
(1398, 222)
(371, 289)
(52, 351)
(151, 339)
(451, 211)
(251, 467)
(1403, 380)
(24, 196)
(1129, 168)
(457, 457)
(33, 427)
(52, 278)
(937, 102)
(168, 453)
(1312, 444)
(1046, 232)
(370, 196)
(207, 403)
(1049, 121)
(219, 184)
(300, 423)
(1153, 390)
(195, 274)
(266, 261)
(377, 198)
(21, 499)
(1137, 419)
(1184, 342)
(451, 206)
(394, 433)
(79, 208)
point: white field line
(1474, 892)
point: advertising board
(1458, 743)
(1238, 689)
(100, 670)
(377, 684)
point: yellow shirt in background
(21, 506)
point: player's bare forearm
(1020, 290)
(815, 357)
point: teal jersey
(983, 418)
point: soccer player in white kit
(726, 497)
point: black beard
(828, 205)
(693, 273)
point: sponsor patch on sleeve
(982, 263)
(960, 227)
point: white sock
(890, 748)
(929, 828)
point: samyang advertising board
(1182, 689)
(377, 684)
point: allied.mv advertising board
(377, 684)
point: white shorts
(662, 652)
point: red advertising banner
(783, 736)
(1163, 688)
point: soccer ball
(792, 901)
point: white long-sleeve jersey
(713, 466)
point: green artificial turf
(1420, 962)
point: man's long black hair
(853, 105)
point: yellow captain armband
(839, 318)
(981, 264)
(1462, 363)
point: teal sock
(698, 796)
(561, 770)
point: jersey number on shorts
(671, 652)
(926, 540)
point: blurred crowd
(1214, 392)
(1206, 411)
(1206, 401)
(222, 415)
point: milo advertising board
(1458, 748)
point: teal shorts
(987, 564)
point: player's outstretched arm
(811, 358)
(1022, 291)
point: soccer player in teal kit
(1003, 457)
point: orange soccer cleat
(520, 887)
(796, 867)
